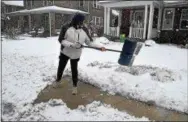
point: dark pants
(63, 59)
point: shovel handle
(100, 49)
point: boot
(74, 91)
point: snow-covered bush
(95, 30)
(150, 43)
(102, 40)
(186, 46)
(11, 33)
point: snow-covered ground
(28, 65)
(159, 75)
(56, 110)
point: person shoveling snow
(72, 37)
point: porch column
(159, 19)
(145, 21)
(119, 23)
(50, 24)
(29, 22)
(150, 21)
(105, 20)
(108, 21)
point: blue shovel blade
(130, 49)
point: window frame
(182, 19)
(83, 3)
(173, 10)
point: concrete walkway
(88, 93)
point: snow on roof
(176, 3)
(14, 3)
(56, 9)
(48, 9)
(20, 12)
(170, 1)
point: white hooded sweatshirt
(74, 37)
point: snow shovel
(130, 49)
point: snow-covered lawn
(159, 74)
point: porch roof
(14, 3)
(47, 9)
(120, 4)
(176, 3)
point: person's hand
(103, 49)
(76, 45)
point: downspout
(88, 11)
(50, 24)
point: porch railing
(136, 33)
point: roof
(47, 9)
(14, 3)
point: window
(97, 20)
(95, 5)
(28, 3)
(44, 2)
(184, 19)
(102, 21)
(50, 2)
(9, 9)
(81, 2)
(93, 20)
(168, 18)
(32, 3)
(155, 17)
(12, 9)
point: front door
(138, 18)
(125, 22)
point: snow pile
(56, 110)
(150, 43)
(163, 87)
(102, 40)
(157, 74)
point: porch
(136, 19)
(43, 19)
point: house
(51, 14)
(9, 6)
(165, 20)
